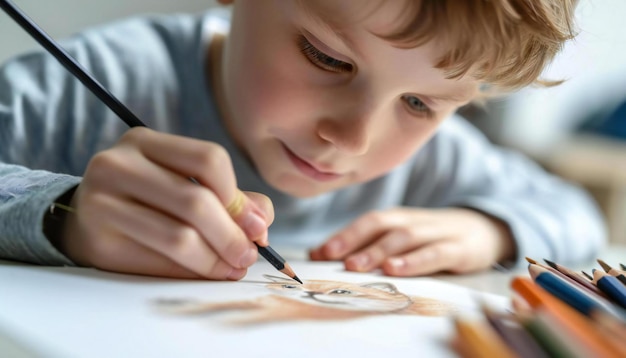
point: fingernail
(397, 263)
(254, 225)
(237, 274)
(248, 258)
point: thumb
(250, 217)
(264, 204)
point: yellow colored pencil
(478, 339)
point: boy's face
(317, 106)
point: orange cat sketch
(316, 300)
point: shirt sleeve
(548, 217)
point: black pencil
(109, 100)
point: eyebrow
(461, 95)
(455, 97)
(329, 26)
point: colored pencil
(622, 266)
(566, 292)
(611, 329)
(110, 101)
(588, 276)
(579, 326)
(614, 272)
(478, 339)
(611, 286)
(555, 342)
(553, 270)
(581, 280)
(513, 334)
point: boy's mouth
(309, 169)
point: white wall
(594, 67)
(63, 17)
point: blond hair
(505, 44)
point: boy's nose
(351, 135)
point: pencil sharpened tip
(604, 265)
(298, 279)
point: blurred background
(576, 130)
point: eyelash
(320, 59)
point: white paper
(71, 312)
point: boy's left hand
(413, 242)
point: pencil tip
(530, 260)
(287, 270)
(551, 263)
(604, 265)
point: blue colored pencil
(566, 292)
(611, 286)
(613, 272)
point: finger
(133, 258)
(390, 244)
(374, 225)
(189, 157)
(357, 235)
(177, 241)
(136, 259)
(264, 203)
(250, 217)
(431, 258)
(201, 161)
(165, 191)
(168, 237)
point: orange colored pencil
(575, 323)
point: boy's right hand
(137, 211)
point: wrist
(54, 218)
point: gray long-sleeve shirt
(51, 125)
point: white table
(492, 282)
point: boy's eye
(416, 105)
(320, 59)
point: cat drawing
(316, 300)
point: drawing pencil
(614, 272)
(580, 280)
(109, 100)
(572, 295)
(579, 326)
(622, 266)
(479, 340)
(588, 276)
(611, 286)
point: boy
(341, 113)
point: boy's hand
(412, 242)
(137, 211)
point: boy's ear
(225, 2)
